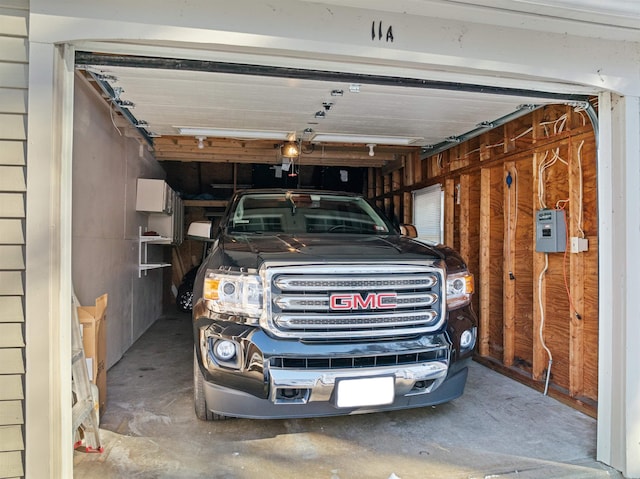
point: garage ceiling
(170, 99)
(261, 107)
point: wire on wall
(541, 330)
(580, 193)
(113, 121)
(545, 164)
(558, 125)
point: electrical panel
(551, 234)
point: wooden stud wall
(492, 224)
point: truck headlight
(459, 289)
(233, 293)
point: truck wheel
(184, 300)
(202, 411)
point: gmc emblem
(349, 301)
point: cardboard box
(94, 338)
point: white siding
(13, 134)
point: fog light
(224, 350)
(466, 339)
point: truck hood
(250, 251)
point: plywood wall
(526, 301)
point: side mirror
(409, 230)
(200, 230)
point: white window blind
(427, 213)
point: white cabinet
(154, 196)
(164, 207)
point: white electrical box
(578, 245)
(551, 231)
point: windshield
(289, 212)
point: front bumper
(276, 378)
(235, 403)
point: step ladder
(85, 408)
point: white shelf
(154, 239)
(143, 242)
(148, 266)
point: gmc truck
(312, 303)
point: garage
(498, 150)
(525, 118)
(470, 220)
(233, 142)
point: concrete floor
(497, 429)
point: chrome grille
(299, 303)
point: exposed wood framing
(228, 150)
(449, 202)
(484, 272)
(577, 271)
(508, 276)
(540, 358)
(493, 226)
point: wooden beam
(409, 174)
(371, 182)
(485, 262)
(273, 160)
(393, 165)
(407, 202)
(465, 213)
(508, 278)
(577, 273)
(215, 152)
(449, 211)
(225, 150)
(540, 358)
(191, 144)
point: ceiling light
(371, 147)
(378, 140)
(201, 141)
(290, 150)
(228, 133)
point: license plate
(365, 392)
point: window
(428, 213)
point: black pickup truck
(312, 303)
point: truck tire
(184, 299)
(199, 401)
